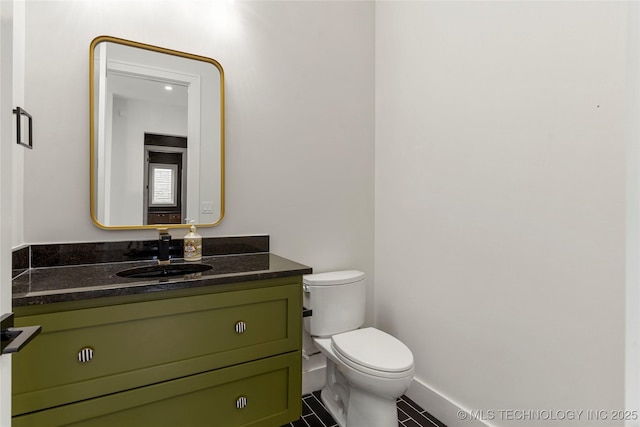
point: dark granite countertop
(80, 282)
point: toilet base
(334, 407)
(364, 410)
(351, 406)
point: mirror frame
(93, 141)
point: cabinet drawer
(142, 343)
(271, 388)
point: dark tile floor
(314, 414)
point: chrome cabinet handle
(85, 355)
(13, 339)
(241, 402)
(241, 327)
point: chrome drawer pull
(85, 355)
(241, 327)
(241, 402)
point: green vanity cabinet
(210, 356)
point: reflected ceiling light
(167, 87)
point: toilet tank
(337, 300)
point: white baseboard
(441, 407)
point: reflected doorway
(164, 187)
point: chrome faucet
(164, 239)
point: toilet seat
(373, 352)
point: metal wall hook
(20, 113)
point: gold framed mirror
(157, 136)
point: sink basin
(164, 270)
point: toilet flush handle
(305, 288)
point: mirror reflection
(157, 136)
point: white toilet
(367, 369)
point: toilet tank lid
(333, 278)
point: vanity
(215, 348)
(218, 347)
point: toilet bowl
(362, 387)
(367, 369)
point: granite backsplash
(61, 254)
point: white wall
(500, 201)
(6, 192)
(19, 152)
(632, 261)
(299, 118)
(632, 155)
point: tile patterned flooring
(314, 414)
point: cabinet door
(264, 393)
(88, 353)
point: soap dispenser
(193, 245)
